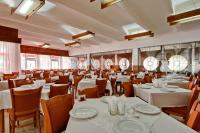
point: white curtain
(44, 62)
(9, 57)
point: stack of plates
(83, 112)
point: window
(28, 61)
(55, 62)
(108, 63)
(95, 63)
(150, 63)
(177, 63)
(124, 63)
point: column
(116, 63)
(88, 61)
(193, 58)
(135, 59)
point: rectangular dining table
(161, 98)
(103, 122)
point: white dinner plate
(130, 126)
(83, 112)
(147, 109)
(172, 86)
(146, 87)
(150, 84)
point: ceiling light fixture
(28, 7)
(184, 17)
(107, 3)
(45, 45)
(83, 35)
(139, 35)
(73, 44)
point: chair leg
(38, 121)
(12, 126)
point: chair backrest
(77, 79)
(11, 83)
(46, 75)
(8, 76)
(147, 79)
(56, 113)
(63, 79)
(128, 89)
(58, 89)
(90, 92)
(194, 116)
(113, 84)
(36, 75)
(20, 82)
(101, 86)
(191, 85)
(193, 97)
(26, 101)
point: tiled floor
(27, 129)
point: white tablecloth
(89, 83)
(3, 85)
(5, 98)
(121, 78)
(160, 98)
(54, 78)
(103, 122)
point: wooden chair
(90, 92)
(128, 89)
(183, 111)
(11, 83)
(58, 89)
(147, 79)
(25, 105)
(63, 79)
(36, 76)
(46, 75)
(8, 76)
(56, 113)
(77, 79)
(194, 116)
(113, 84)
(48, 80)
(101, 86)
(20, 82)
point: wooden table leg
(1, 121)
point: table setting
(131, 115)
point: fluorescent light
(184, 17)
(84, 35)
(107, 3)
(73, 44)
(46, 45)
(25, 6)
(139, 35)
(28, 7)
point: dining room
(103, 66)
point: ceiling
(60, 19)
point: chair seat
(178, 111)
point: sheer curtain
(9, 57)
(44, 62)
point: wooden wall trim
(43, 51)
(8, 34)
